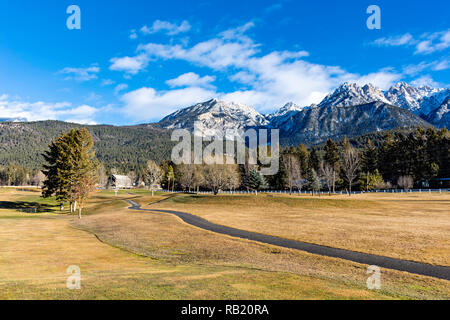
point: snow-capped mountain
(430, 103)
(215, 116)
(289, 107)
(349, 110)
(351, 94)
(316, 125)
(422, 101)
(441, 115)
(280, 116)
(419, 100)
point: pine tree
(303, 157)
(71, 168)
(332, 159)
(314, 160)
(369, 161)
(55, 169)
(255, 181)
(313, 180)
(279, 180)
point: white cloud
(271, 79)
(426, 81)
(437, 41)
(402, 40)
(243, 77)
(147, 104)
(133, 34)
(442, 65)
(107, 82)
(131, 65)
(384, 79)
(81, 74)
(230, 48)
(36, 111)
(425, 44)
(437, 65)
(191, 79)
(167, 27)
(120, 87)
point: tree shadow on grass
(26, 206)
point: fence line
(306, 192)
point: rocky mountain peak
(351, 94)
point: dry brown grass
(156, 256)
(413, 227)
(162, 236)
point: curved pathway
(424, 269)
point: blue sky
(136, 61)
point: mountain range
(350, 110)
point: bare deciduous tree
(405, 182)
(153, 175)
(215, 177)
(102, 177)
(38, 178)
(233, 177)
(350, 164)
(293, 170)
(329, 175)
(187, 176)
(199, 177)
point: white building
(116, 181)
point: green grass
(291, 201)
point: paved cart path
(441, 272)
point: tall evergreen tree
(369, 161)
(332, 159)
(255, 181)
(57, 164)
(313, 181)
(70, 168)
(314, 160)
(303, 157)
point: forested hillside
(117, 147)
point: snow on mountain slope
(316, 125)
(284, 113)
(440, 117)
(351, 94)
(215, 116)
(401, 106)
(419, 100)
(430, 103)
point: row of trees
(214, 177)
(397, 160)
(71, 169)
(14, 175)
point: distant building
(116, 181)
